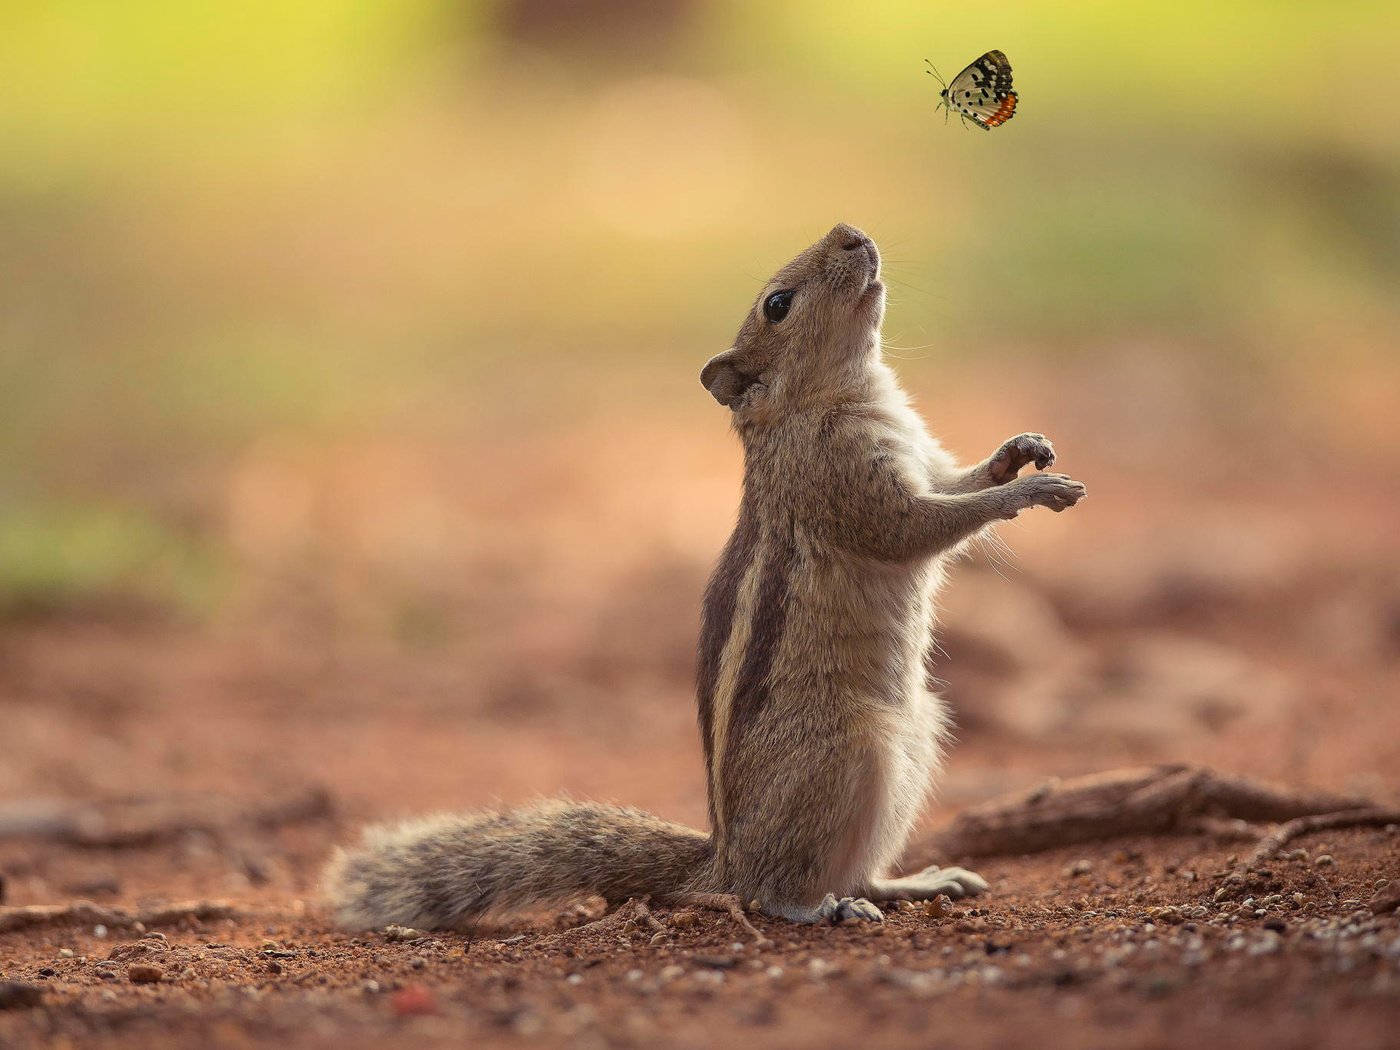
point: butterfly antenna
(933, 72)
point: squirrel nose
(848, 238)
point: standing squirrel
(821, 737)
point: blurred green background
(245, 248)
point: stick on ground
(1139, 801)
(85, 913)
(1286, 833)
(118, 823)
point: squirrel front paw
(1016, 452)
(1056, 491)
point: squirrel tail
(446, 872)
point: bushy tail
(445, 872)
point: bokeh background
(350, 430)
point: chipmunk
(821, 736)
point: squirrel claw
(1016, 452)
(837, 911)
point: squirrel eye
(777, 305)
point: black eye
(777, 305)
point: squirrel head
(811, 334)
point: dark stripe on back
(751, 688)
(716, 622)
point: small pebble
(144, 973)
(715, 962)
(1266, 945)
(413, 1001)
(941, 907)
(1325, 861)
(1386, 900)
(820, 968)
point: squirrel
(821, 737)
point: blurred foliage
(101, 560)
(332, 217)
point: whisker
(888, 352)
(923, 348)
(905, 284)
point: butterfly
(981, 92)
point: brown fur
(821, 737)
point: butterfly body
(982, 92)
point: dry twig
(1141, 801)
(727, 903)
(85, 913)
(145, 821)
(1286, 833)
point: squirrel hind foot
(830, 910)
(928, 884)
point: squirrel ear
(724, 377)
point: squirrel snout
(848, 238)
(844, 238)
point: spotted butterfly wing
(982, 92)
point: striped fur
(821, 737)
(717, 623)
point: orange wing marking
(1004, 112)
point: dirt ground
(1258, 634)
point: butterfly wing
(982, 92)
